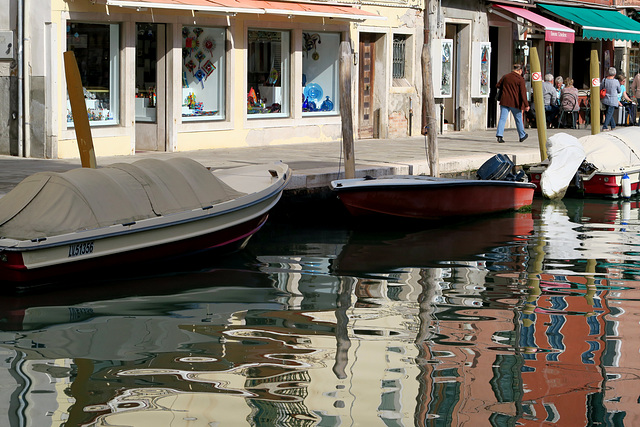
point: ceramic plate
(313, 92)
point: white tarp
(614, 151)
(49, 203)
(566, 154)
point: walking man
(513, 99)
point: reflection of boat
(55, 223)
(368, 252)
(608, 157)
(148, 293)
(424, 197)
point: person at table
(559, 85)
(626, 101)
(550, 96)
(569, 101)
(635, 87)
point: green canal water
(518, 319)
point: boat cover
(50, 203)
(614, 151)
(565, 157)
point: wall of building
(237, 129)
(467, 23)
(8, 80)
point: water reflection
(527, 318)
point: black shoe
(499, 138)
(526, 135)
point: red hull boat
(423, 197)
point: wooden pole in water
(429, 118)
(594, 71)
(79, 111)
(538, 100)
(346, 59)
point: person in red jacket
(513, 99)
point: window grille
(399, 59)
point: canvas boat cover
(614, 151)
(565, 157)
(50, 203)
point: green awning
(598, 24)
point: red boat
(424, 197)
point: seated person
(569, 104)
(550, 96)
(625, 100)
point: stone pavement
(315, 165)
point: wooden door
(366, 75)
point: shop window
(399, 56)
(203, 73)
(268, 73)
(320, 73)
(96, 50)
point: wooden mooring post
(346, 61)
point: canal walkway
(315, 165)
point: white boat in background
(55, 224)
(610, 168)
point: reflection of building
(561, 342)
(294, 353)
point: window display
(203, 73)
(95, 47)
(268, 73)
(480, 69)
(320, 72)
(442, 68)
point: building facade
(176, 76)
(169, 75)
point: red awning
(553, 32)
(253, 6)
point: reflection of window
(320, 72)
(399, 55)
(203, 73)
(96, 50)
(268, 73)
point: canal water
(517, 319)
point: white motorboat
(59, 223)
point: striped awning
(332, 11)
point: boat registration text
(78, 249)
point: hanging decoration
(185, 32)
(273, 76)
(197, 31)
(210, 45)
(191, 44)
(311, 42)
(190, 66)
(200, 77)
(208, 68)
(200, 57)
